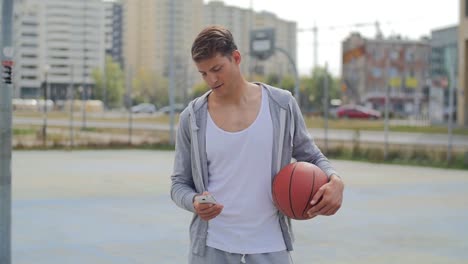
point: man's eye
(217, 69)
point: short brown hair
(213, 40)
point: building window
(409, 56)
(29, 56)
(394, 54)
(29, 45)
(466, 8)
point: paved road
(113, 207)
(458, 141)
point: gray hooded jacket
(190, 174)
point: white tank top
(239, 169)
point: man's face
(220, 72)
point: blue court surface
(99, 207)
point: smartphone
(205, 199)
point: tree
(199, 89)
(111, 88)
(258, 78)
(148, 87)
(273, 79)
(286, 82)
(313, 89)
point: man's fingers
(204, 207)
(331, 211)
(317, 196)
(324, 207)
(318, 209)
(210, 211)
(209, 216)
(212, 214)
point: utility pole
(325, 106)
(251, 26)
(71, 95)
(171, 32)
(46, 95)
(315, 31)
(84, 94)
(387, 103)
(129, 82)
(105, 85)
(451, 70)
(6, 52)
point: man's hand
(207, 211)
(327, 200)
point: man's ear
(236, 56)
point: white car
(177, 108)
(144, 108)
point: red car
(357, 111)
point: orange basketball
(294, 186)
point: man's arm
(304, 147)
(183, 187)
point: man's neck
(239, 95)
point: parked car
(144, 108)
(177, 108)
(357, 111)
(447, 113)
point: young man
(231, 142)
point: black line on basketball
(310, 195)
(290, 187)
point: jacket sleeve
(182, 185)
(304, 148)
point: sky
(335, 19)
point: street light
(46, 93)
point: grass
(378, 125)
(24, 131)
(399, 154)
(311, 121)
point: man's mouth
(216, 87)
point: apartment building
(369, 66)
(58, 43)
(238, 20)
(1, 21)
(147, 40)
(241, 21)
(462, 91)
(444, 56)
(113, 26)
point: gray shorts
(216, 256)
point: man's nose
(212, 79)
